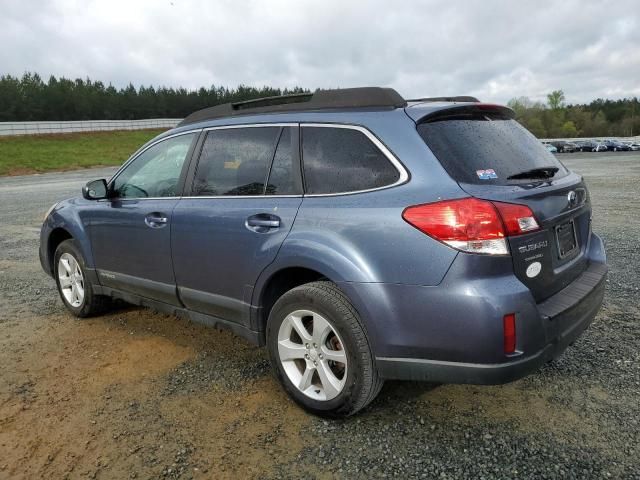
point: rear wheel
(320, 352)
(75, 290)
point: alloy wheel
(312, 355)
(71, 280)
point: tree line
(31, 98)
(600, 118)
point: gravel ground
(136, 394)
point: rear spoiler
(459, 112)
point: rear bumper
(569, 313)
(453, 332)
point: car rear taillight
(472, 225)
(517, 218)
(509, 325)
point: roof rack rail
(270, 101)
(459, 98)
(364, 97)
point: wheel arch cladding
(277, 282)
(56, 237)
(68, 222)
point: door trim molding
(160, 291)
(220, 306)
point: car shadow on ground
(396, 390)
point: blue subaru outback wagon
(358, 235)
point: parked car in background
(600, 147)
(550, 148)
(633, 146)
(563, 146)
(570, 147)
(616, 146)
(358, 235)
(585, 145)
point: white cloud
(493, 49)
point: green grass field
(25, 154)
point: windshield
(486, 147)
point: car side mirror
(95, 190)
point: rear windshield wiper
(542, 172)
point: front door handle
(263, 222)
(156, 220)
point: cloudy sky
(495, 50)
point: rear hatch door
(493, 157)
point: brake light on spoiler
(472, 225)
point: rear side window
(342, 160)
(235, 161)
(485, 148)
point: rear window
(485, 147)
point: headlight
(46, 215)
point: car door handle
(263, 222)
(155, 220)
(257, 222)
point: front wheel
(320, 352)
(75, 290)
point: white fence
(39, 128)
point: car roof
(345, 98)
(338, 100)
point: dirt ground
(137, 394)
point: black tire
(91, 304)
(362, 383)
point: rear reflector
(472, 225)
(509, 324)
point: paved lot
(135, 394)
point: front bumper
(45, 261)
(569, 313)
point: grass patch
(25, 154)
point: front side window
(156, 171)
(342, 160)
(235, 161)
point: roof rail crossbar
(458, 98)
(365, 97)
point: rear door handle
(156, 220)
(263, 222)
(256, 222)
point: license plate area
(566, 239)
